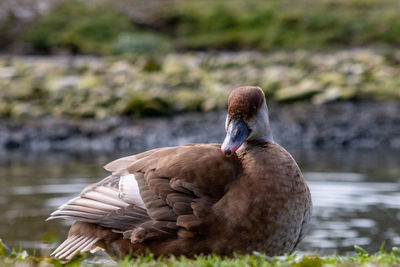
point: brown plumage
(193, 199)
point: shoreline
(301, 125)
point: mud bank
(334, 125)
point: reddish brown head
(245, 101)
(247, 118)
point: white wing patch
(129, 190)
(99, 201)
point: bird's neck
(248, 144)
(262, 136)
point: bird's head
(247, 119)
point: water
(356, 197)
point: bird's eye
(254, 107)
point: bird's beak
(237, 133)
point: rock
(332, 78)
(173, 65)
(88, 81)
(304, 90)
(209, 104)
(332, 94)
(120, 67)
(7, 72)
(64, 82)
(328, 95)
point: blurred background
(85, 82)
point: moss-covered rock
(304, 90)
(164, 85)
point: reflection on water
(356, 197)
(349, 213)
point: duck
(242, 196)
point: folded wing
(161, 193)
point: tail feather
(74, 244)
(63, 244)
(69, 245)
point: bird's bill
(237, 133)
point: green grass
(286, 24)
(359, 258)
(78, 27)
(104, 27)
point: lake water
(356, 197)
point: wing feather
(109, 204)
